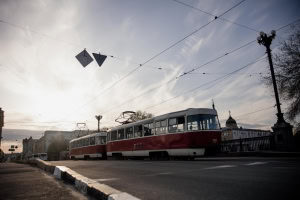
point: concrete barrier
(89, 186)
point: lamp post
(282, 130)
(98, 117)
(266, 40)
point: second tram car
(89, 146)
(186, 133)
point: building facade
(240, 139)
(29, 146)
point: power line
(194, 94)
(253, 62)
(179, 76)
(215, 18)
(187, 5)
(185, 73)
(153, 57)
(255, 111)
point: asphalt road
(229, 178)
(19, 181)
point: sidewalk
(19, 181)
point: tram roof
(189, 111)
(103, 133)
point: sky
(43, 86)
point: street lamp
(266, 40)
(98, 117)
(282, 130)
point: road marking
(221, 166)
(105, 179)
(158, 174)
(256, 163)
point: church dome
(231, 123)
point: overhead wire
(179, 76)
(251, 63)
(185, 73)
(256, 111)
(156, 55)
(196, 94)
(187, 5)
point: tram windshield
(202, 122)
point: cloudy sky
(44, 87)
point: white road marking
(105, 179)
(256, 163)
(158, 174)
(221, 166)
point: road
(229, 178)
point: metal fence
(248, 144)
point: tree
(140, 115)
(287, 70)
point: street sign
(11, 149)
(99, 58)
(84, 58)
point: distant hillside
(20, 134)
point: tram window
(108, 136)
(148, 129)
(176, 124)
(87, 141)
(80, 143)
(114, 135)
(203, 122)
(120, 134)
(129, 132)
(103, 139)
(92, 140)
(138, 131)
(98, 140)
(161, 127)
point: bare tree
(287, 70)
(140, 115)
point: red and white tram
(186, 133)
(89, 147)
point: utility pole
(1, 124)
(98, 117)
(282, 130)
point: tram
(91, 146)
(187, 133)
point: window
(148, 129)
(161, 127)
(103, 139)
(129, 132)
(87, 141)
(120, 134)
(108, 136)
(138, 131)
(80, 143)
(100, 140)
(203, 122)
(176, 124)
(114, 135)
(92, 140)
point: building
(53, 142)
(28, 147)
(233, 132)
(236, 138)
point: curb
(83, 184)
